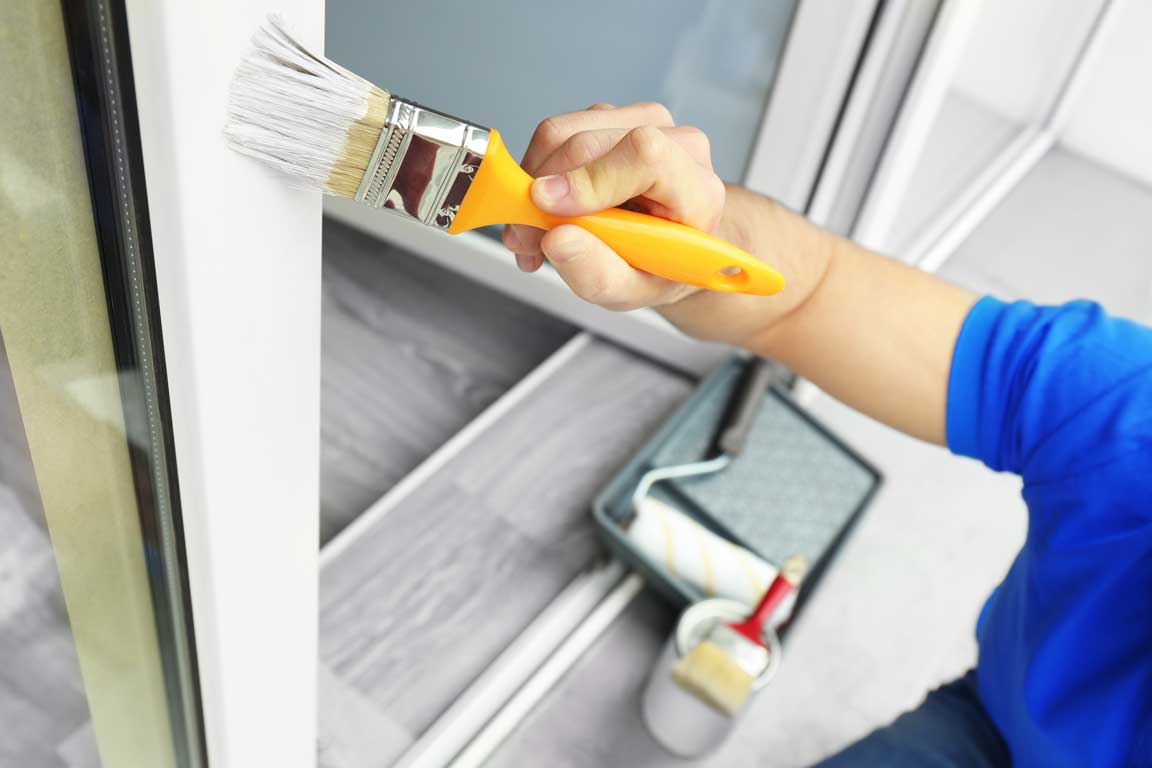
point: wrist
(805, 254)
(771, 232)
(800, 250)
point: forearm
(868, 330)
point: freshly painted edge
(487, 262)
(238, 277)
(485, 697)
(546, 677)
(427, 469)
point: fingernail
(512, 237)
(562, 249)
(549, 190)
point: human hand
(634, 157)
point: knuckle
(716, 192)
(600, 106)
(621, 305)
(700, 138)
(656, 111)
(709, 205)
(596, 288)
(549, 133)
(647, 143)
(586, 182)
(581, 149)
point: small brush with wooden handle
(723, 667)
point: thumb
(645, 163)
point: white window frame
(944, 56)
(238, 276)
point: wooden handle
(500, 194)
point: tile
(42, 700)
(411, 353)
(16, 472)
(353, 733)
(592, 718)
(594, 415)
(420, 603)
(411, 621)
(79, 750)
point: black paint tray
(796, 489)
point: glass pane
(508, 65)
(95, 658)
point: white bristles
(294, 109)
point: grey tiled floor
(429, 594)
(411, 353)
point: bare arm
(871, 331)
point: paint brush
(723, 667)
(333, 130)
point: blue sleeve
(1062, 396)
(1047, 392)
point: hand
(634, 156)
(871, 331)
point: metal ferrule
(423, 164)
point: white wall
(1111, 119)
(1019, 53)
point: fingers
(554, 131)
(581, 149)
(647, 163)
(528, 262)
(586, 146)
(596, 274)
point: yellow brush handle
(500, 194)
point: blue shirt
(1063, 397)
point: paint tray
(796, 488)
